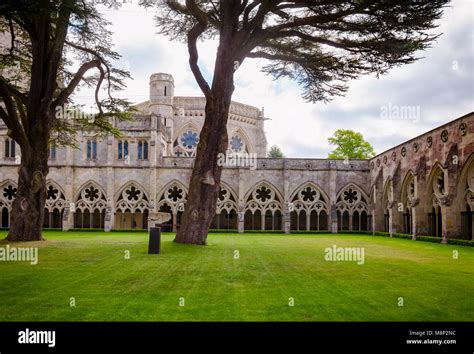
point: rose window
(264, 194)
(133, 193)
(308, 194)
(52, 193)
(92, 193)
(236, 144)
(351, 196)
(189, 140)
(175, 194)
(223, 195)
(9, 192)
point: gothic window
(9, 192)
(132, 199)
(308, 209)
(91, 149)
(174, 196)
(122, 149)
(175, 193)
(9, 148)
(438, 183)
(236, 144)
(142, 150)
(263, 209)
(185, 145)
(91, 193)
(352, 209)
(263, 194)
(52, 151)
(89, 208)
(145, 150)
(55, 199)
(189, 140)
(351, 196)
(51, 192)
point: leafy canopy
(321, 44)
(350, 145)
(48, 50)
(275, 152)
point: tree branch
(11, 116)
(66, 92)
(193, 35)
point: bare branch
(193, 35)
(66, 92)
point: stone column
(69, 188)
(241, 220)
(332, 215)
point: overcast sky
(437, 88)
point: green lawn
(91, 268)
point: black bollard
(154, 242)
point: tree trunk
(205, 179)
(28, 206)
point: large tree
(37, 80)
(321, 44)
(350, 145)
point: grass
(92, 269)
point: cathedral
(424, 186)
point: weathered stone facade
(423, 186)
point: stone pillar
(241, 220)
(423, 203)
(69, 188)
(175, 219)
(332, 215)
(391, 228)
(351, 215)
(110, 209)
(286, 220)
(308, 220)
(332, 218)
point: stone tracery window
(263, 209)
(185, 145)
(132, 199)
(54, 206)
(237, 144)
(89, 208)
(352, 209)
(308, 209)
(9, 192)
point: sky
(388, 110)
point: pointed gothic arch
(132, 206)
(263, 207)
(309, 208)
(352, 208)
(89, 206)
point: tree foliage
(350, 145)
(50, 49)
(321, 44)
(275, 152)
